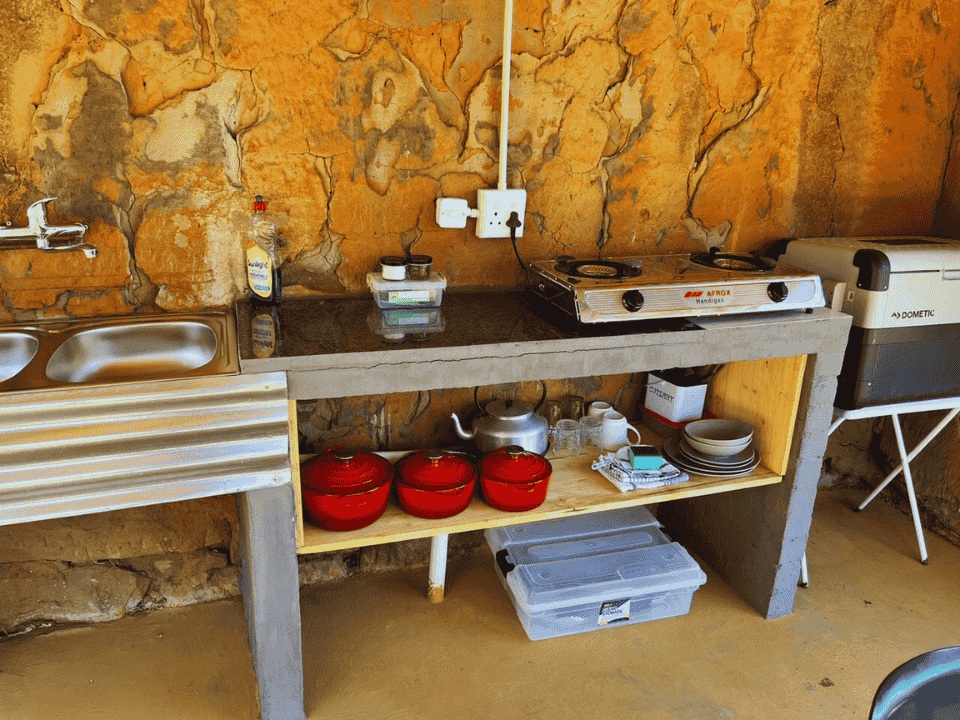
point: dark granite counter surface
(312, 326)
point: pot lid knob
(434, 456)
(344, 455)
(514, 450)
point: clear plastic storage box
(407, 293)
(396, 323)
(619, 574)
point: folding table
(894, 410)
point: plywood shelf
(764, 393)
(574, 489)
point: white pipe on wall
(505, 92)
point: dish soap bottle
(265, 330)
(263, 271)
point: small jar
(393, 267)
(418, 267)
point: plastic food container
(513, 479)
(393, 267)
(344, 490)
(395, 324)
(418, 267)
(561, 584)
(407, 293)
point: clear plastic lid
(609, 521)
(596, 578)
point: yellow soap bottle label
(259, 271)
(264, 335)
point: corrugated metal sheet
(89, 449)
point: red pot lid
(513, 464)
(340, 472)
(435, 470)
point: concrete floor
(374, 648)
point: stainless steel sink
(17, 349)
(88, 351)
(132, 352)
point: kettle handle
(476, 398)
(543, 395)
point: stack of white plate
(715, 448)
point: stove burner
(597, 269)
(731, 261)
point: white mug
(615, 430)
(598, 408)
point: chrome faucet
(49, 238)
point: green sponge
(645, 457)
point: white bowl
(716, 450)
(718, 437)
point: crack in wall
(945, 214)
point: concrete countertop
(328, 348)
(342, 346)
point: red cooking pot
(344, 490)
(514, 479)
(435, 484)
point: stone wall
(103, 566)
(636, 127)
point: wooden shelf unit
(764, 393)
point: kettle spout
(459, 428)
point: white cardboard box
(675, 403)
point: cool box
(904, 296)
(594, 571)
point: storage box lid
(586, 545)
(545, 586)
(571, 527)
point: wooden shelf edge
(566, 498)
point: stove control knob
(632, 300)
(777, 291)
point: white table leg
(836, 423)
(910, 493)
(908, 457)
(438, 567)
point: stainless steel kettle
(507, 422)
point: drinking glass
(591, 433)
(553, 412)
(573, 407)
(566, 438)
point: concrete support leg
(756, 538)
(271, 596)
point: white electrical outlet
(493, 211)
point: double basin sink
(89, 351)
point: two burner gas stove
(670, 286)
